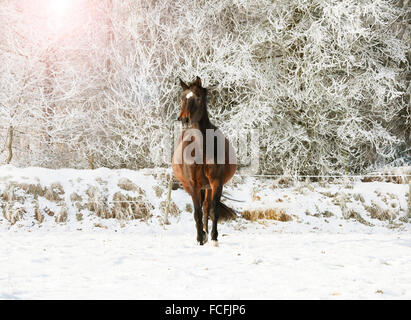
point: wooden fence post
(409, 196)
(170, 183)
(91, 161)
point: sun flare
(58, 11)
(59, 7)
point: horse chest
(194, 160)
(187, 163)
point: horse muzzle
(185, 123)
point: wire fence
(332, 176)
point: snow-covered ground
(344, 241)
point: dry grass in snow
(35, 196)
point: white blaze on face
(189, 95)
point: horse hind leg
(215, 199)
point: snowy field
(257, 263)
(350, 240)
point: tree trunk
(10, 145)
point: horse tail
(224, 196)
(225, 213)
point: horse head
(193, 103)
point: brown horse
(199, 163)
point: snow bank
(38, 197)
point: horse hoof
(205, 237)
(214, 243)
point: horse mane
(206, 123)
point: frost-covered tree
(21, 95)
(325, 82)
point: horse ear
(183, 85)
(198, 81)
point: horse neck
(204, 122)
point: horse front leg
(201, 235)
(216, 192)
(206, 211)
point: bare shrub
(76, 200)
(173, 210)
(49, 212)
(62, 215)
(341, 199)
(175, 184)
(254, 194)
(54, 192)
(8, 194)
(99, 225)
(96, 203)
(359, 197)
(270, 214)
(352, 214)
(404, 219)
(34, 189)
(377, 212)
(327, 214)
(74, 197)
(79, 206)
(13, 212)
(128, 207)
(393, 175)
(158, 191)
(189, 208)
(128, 185)
(37, 213)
